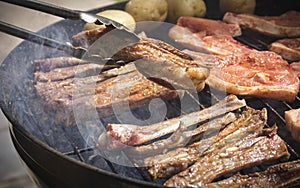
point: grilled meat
(292, 119)
(200, 39)
(240, 70)
(289, 49)
(46, 65)
(280, 175)
(120, 135)
(249, 151)
(181, 137)
(285, 25)
(176, 68)
(296, 67)
(166, 165)
(88, 37)
(206, 27)
(95, 91)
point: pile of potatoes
(170, 10)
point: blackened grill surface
(22, 108)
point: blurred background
(12, 172)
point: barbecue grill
(58, 156)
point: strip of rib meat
(88, 37)
(157, 53)
(120, 135)
(173, 162)
(182, 137)
(131, 89)
(285, 25)
(280, 175)
(58, 74)
(244, 153)
(46, 65)
(289, 49)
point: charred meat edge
(182, 137)
(159, 53)
(168, 164)
(280, 175)
(285, 25)
(120, 135)
(249, 151)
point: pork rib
(120, 135)
(166, 165)
(155, 53)
(289, 49)
(280, 175)
(246, 152)
(182, 137)
(285, 25)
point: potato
(116, 15)
(177, 8)
(147, 10)
(237, 6)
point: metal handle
(33, 37)
(47, 8)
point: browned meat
(176, 68)
(57, 74)
(238, 69)
(285, 25)
(244, 153)
(201, 40)
(280, 175)
(296, 67)
(46, 65)
(292, 119)
(88, 37)
(120, 135)
(289, 49)
(181, 137)
(93, 91)
(206, 27)
(166, 165)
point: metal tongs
(64, 13)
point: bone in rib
(280, 175)
(120, 135)
(166, 165)
(249, 151)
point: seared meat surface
(248, 151)
(95, 91)
(289, 49)
(168, 164)
(280, 175)
(285, 25)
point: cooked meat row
(280, 175)
(96, 92)
(121, 135)
(176, 68)
(251, 150)
(181, 137)
(168, 164)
